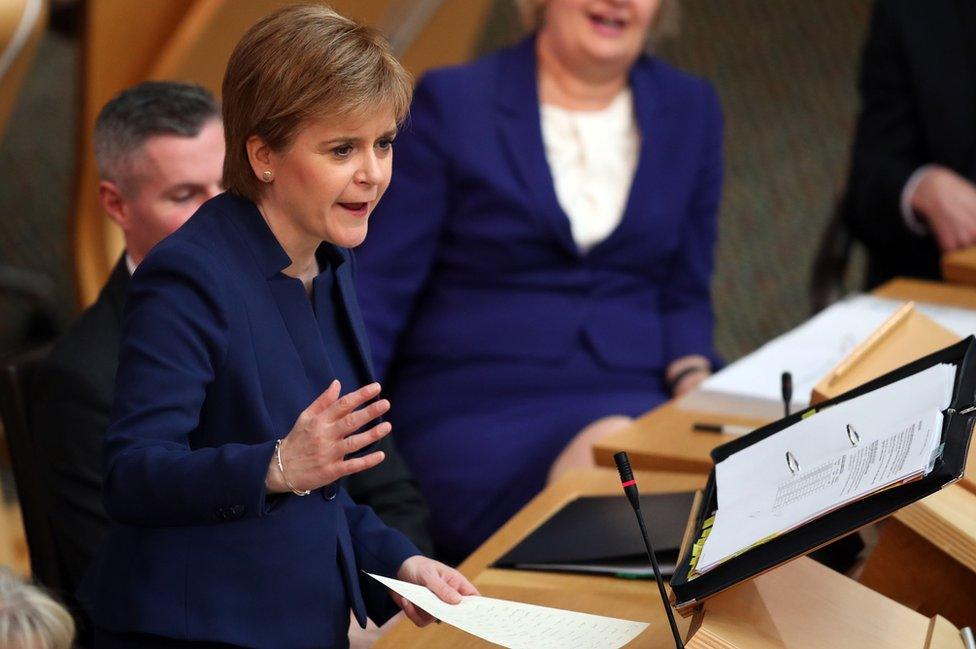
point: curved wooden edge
(11, 15)
(114, 56)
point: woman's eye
(385, 144)
(343, 151)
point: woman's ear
(259, 154)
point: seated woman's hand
(684, 374)
(445, 582)
(314, 452)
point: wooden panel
(13, 542)
(803, 605)
(960, 266)
(449, 38)
(122, 40)
(908, 568)
(922, 290)
(13, 13)
(947, 520)
(199, 49)
(943, 635)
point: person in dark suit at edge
(911, 193)
(160, 151)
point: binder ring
(792, 464)
(853, 435)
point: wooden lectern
(804, 605)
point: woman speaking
(237, 408)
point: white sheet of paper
(751, 385)
(898, 426)
(521, 626)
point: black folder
(599, 535)
(957, 428)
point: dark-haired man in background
(911, 193)
(160, 150)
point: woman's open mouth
(357, 209)
(606, 25)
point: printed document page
(825, 461)
(516, 625)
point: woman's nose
(371, 171)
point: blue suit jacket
(471, 256)
(220, 354)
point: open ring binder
(948, 465)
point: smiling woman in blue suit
(244, 389)
(539, 270)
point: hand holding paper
(442, 580)
(518, 626)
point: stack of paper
(751, 386)
(841, 454)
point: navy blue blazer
(470, 254)
(220, 354)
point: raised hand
(314, 452)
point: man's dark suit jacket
(70, 407)
(918, 94)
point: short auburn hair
(299, 63)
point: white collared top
(592, 158)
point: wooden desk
(783, 608)
(630, 599)
(663, 440)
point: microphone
(629, 484)
(786, 384)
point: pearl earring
(267, 176)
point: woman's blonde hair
(666, 23)
(303, 62)
(30, 618)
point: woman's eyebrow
(354, 138)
